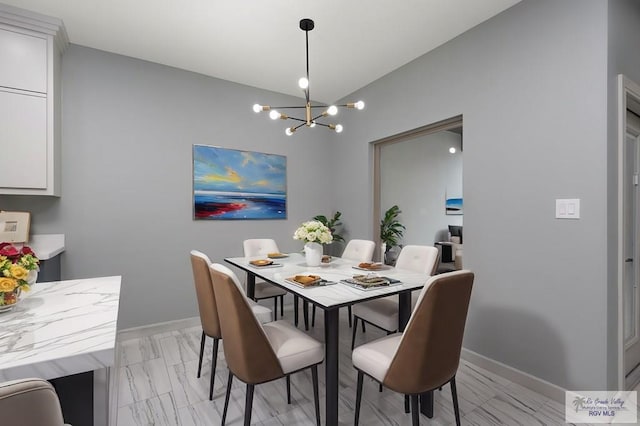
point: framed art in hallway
(453, 206)
(231, 184)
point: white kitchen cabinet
(24, 127)
(24, 61)
(31, 47)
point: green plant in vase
(334, 224)
(391, 230)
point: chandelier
(311, 118)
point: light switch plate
(568, 208)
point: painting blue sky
(454, 206)
(234, 184)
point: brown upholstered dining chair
(264, 290)
(209, 313)
(383, 312)
(258, 353)
(426, 355)
(29, 402)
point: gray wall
(531, 85)
(126, 207)
(415, 174)
(623, 58)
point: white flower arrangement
(313, 232)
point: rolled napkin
(276, 255)
(306, 280)
(370, 265)
(261, 262)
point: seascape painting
(453, 206)
(234, 184)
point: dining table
(332, 294)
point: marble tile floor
(157, 385)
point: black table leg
(331, 338)
(404, 309)
(295, 310)
(251, 287)
(426, 404)
(75, 393)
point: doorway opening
(628, 234)
(419, 170)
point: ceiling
(259, 42)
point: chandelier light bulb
(339, 128)
(289, 131)
(274, 115)
(452, 150)
(257, 108)
(303, 83)
(359, 105)
(332, 110)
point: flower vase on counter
(18, 269)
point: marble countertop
(60, 328)
(46, 246)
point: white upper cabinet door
(23, 137)
(24, 61)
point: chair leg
(282, 306)
(214, 363)
(454, 396)
(295, 310)
(380, 387)
(248, 405)
(406, 404)
(226, 398)
(358, 396)
(288, 379)
(316, 398)
(353, 334)
(363, 330)
(415, 414)
(305, 313)
(350, 314)
(202, 339)
(313, 316)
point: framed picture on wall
(14, 226)
(230, 184)
(453, 206)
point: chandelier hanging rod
(310, 121)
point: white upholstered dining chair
(383, 312)
(208, 311)
(264, 290)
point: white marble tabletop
(60, 328)
(339, 294)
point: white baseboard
(161, 327)
(527, 380)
